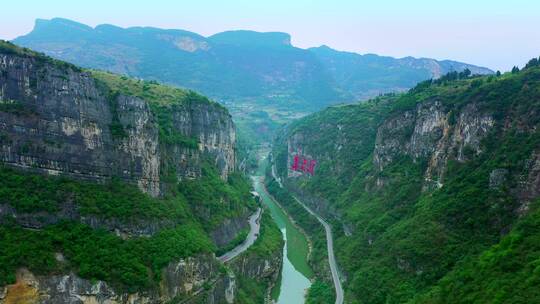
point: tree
(532, 63)
(515, 70)
(466, 73)
(498, 74)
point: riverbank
(293, 221)
(296, 272)
(329, 242)
(330, 247)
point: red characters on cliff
(303, 164)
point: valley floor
(329, 243)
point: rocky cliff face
(228, 229)
(191, 280)
(258, 267)
(430, 132)
(56, 120)
(425, 181)
(434, 133)
(265, 271)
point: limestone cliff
(429, 132)
(57, 120)
(258, 269)
(193, 280)
(417, 184)
(432, 132)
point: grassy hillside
(467, 241)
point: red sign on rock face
(303, 164)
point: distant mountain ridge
(235, 65)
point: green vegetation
(33, 192)
(238, 239)
(179, 221)
(15, 107)
(252, 130)
(150, 91)
(7, 47)
(131, 265)
(213, 200)
(273, 80)
(268, 245)
(320, 293)
(167, 132)
(410, 241)
(505, 273)
(163, 101)
(357, 143)
(270, 240)
(250, 291)
(136, 263)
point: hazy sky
(493, 33)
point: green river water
(296, 272)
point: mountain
(433, 194)
(365, 76)
(238, 67)
(120, 190)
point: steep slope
(114, 189)
(434, 191)
(239, 67)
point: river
(296, 272)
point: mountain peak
(235, 64)
(61, 22)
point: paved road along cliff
(254, 226)
(331, 257)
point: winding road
(331, 257)
(329, 245)
(254, 227)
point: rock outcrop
(258, 268)
(432, 185)
(71, 212)
(432, 132)
(190, 280)
(228, 230)
(57, 120)
(263, 269)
